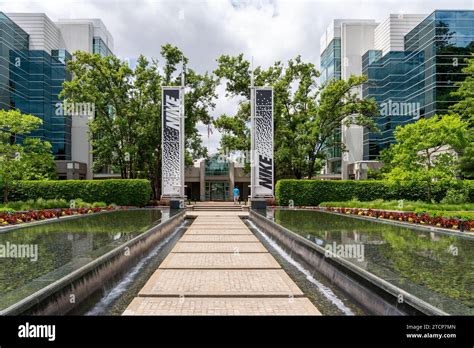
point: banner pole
(252, 133)
(182, 125)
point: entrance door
(217, 191)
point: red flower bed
(37, 215)
(422, 219)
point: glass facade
(99, 46)
(417, 82)
(217, 191)
(331, 61)
(13, 54)
(30, 81)
(216, 167)
(331, 70)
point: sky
(267, 30)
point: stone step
(213, 247)
(219, 261)
(216, 283)
(217, 208)
(220, 306)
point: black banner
(263, 142)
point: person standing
(236, 194)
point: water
(326, 291)
(64, 246)
(437, 268)
(113, 295)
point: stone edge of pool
(375, 294)
(54, 299)
(423, 228)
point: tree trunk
(429, 190)
(311, 167)
(5, 193)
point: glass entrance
(217, 191)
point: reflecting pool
(34, 257)
(437, 268)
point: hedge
(135, 192)
(313, 192)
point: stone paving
(219, 260)
(205, 247)
(218, 238)
(214, 283)
(223, 231)
(220, 306)
(219, 267)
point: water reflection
(435, 267)
(64, 246)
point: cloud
(267, 30)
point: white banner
(172, 138)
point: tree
(465, 108)
(21, 157)
(341, 103)
(305, 115)
(465, 92)
(126, 129)
(426, 150)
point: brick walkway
(219, 267)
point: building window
(216, 166)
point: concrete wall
(44, 35)
(76, 26)
(356, 39)
(79, 37)
(78, 34)
(352, 137)
(389, 35)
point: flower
(421, 218)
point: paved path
(219, 267)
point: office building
(416, 80)
(214, 178)
(32, 72)
(342, 46)
(34, 53)
(89, 35)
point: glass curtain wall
(418, 81)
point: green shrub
(40, 203)
(78, 203)
(313, 192)
(455, 196)
(122, 192)
(99, 205)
